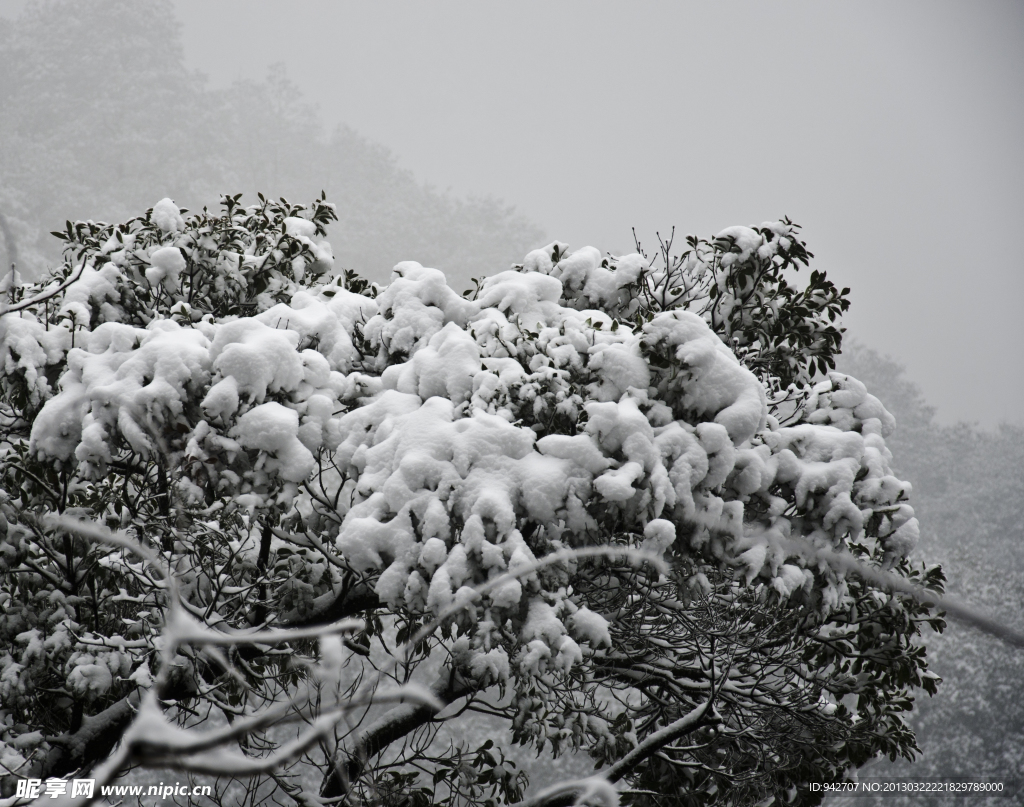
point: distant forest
(102, 118)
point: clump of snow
(740, 242)
(274, 428)
(844, 402)
(94, 288)
(533, 296)
(713, 382)
(121, 390)
(490, 667)
(258, 357)
(299, 228)
(591, 627)
(167, 216)
(166, 265)
(90, 681)
(28, 347)
(659, 535)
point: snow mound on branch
(90, 680)
(127, 381)
(257, 357)
(592, 627)
(843, 401)
(713, 381)
(299, 228)
(659, 535)
(166, 265)
(595, 282)
(740, 242)
(532, 296)
(27, 348)
(167, 216)
(94, 287)
(273, 428)
(416, 305)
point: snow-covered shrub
(297, 446)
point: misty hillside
(101, 117)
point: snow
(741, 243)
(299, 228)
(586, 276)
(714, 381)
(581, 449)
(753, 559)
(533, 296)
(166, 265)
(790, 579)
(258, 357)
(445, 427)
(569, 654)
(541, 260)
(93, 287)
(617, 485)
(490, 667)
(433, 554)
(222, 399)
(591, 627)
(273, 428)
(533, 658)
(659, 535)
(117, 388)
(620, 368)
(90, 680)
(167, 216)
(507, 595)
(28, 347)
(543, 623)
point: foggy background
(464, 134)
(893, 132)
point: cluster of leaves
(64, 597)
(968, 489)
(80, 624)
(242, 260)
(741, 282)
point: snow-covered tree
(620, 505)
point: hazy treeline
(101, 118)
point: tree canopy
(265, 520)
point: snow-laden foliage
(301, 446)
